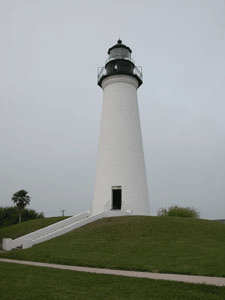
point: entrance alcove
(116, 197)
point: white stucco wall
(120, 156)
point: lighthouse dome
(119, 62)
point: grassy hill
(23, 228)
(157, 244)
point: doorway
(116, 197)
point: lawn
(19, 282)
(156, 244)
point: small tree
(176, 211)
(21, 199)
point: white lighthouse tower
(120, 177)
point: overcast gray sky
(50, 104)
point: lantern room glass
(120, 52)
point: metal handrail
(101, 72)
(138, 72)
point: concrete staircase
(57, 229)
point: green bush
(9, 215)
(176, 211)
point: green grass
(21, 282)
(157, 244)
(23, 228)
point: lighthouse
(121, 183)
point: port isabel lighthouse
(121, 187)
(121, 183)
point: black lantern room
(119, 62)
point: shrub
(9, 215)
(176, 211)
